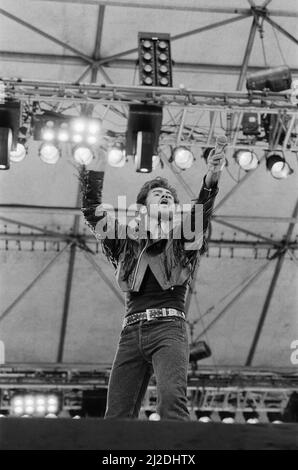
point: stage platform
(99, 434)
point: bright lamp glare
(83, 155)
(154, 417)
(48, 134)
(253, 421)
(91, 139)
(93, 127)
(280, 170)
(63, 135)
(49, 153)
(247, 160)
(40, 401)
(116, 157)
(77, 138)
(205, 419)
(52, 408)
(41, 409)
(278, 167)
(79, 125)
(29, 401)
(18, 154)
(183, 158)
(52, 400)
(18, 402)
(18, 410)
(228, 420)
(29, 409)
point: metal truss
(245, 400)
(187, 112)
(209, 390)
(191, 118)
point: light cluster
(34, 405)
(53, 129)
(155, 62)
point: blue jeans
(154, 346)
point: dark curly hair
(157, 182)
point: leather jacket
(157, 254)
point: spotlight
(205, 419)
(251, 417)
(34, 405)
(143, 129)
(91, 139)
(5, 147)
(83, 155)
(77, 138)
(228, 420)
(278, 166)
(18, 154)
(155, 63)
(52, 127)
(154, 417)
(93, 127)
(246, 159)
(199, 350)
(49, 153)
(18, 410)
(183, 158)
(63, 134)
(116, 157)
(250, 124)
(274, 79)
(252, 421)
(48, 132)
(50, 415)
(143, 157)
(9, 128)
(78, 125)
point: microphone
(221, 143)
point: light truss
(25, 90)
(187, 112)
(230, 378)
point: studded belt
(152, 314)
